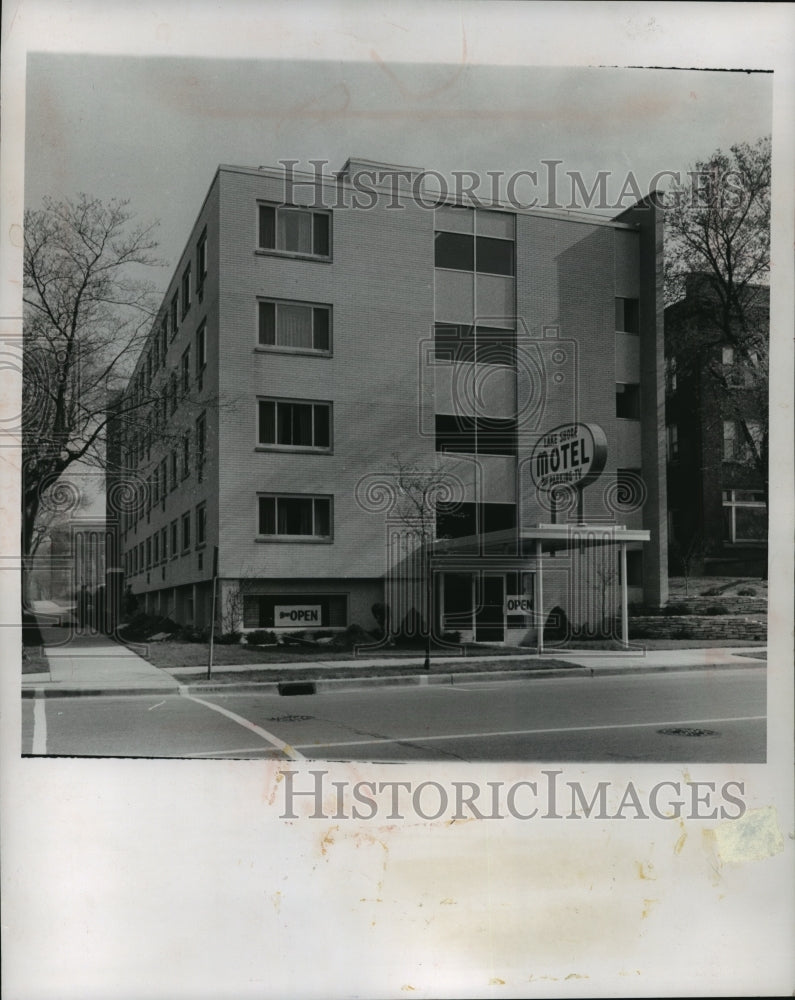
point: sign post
(212, 616)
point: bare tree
(420, 491)
(717, 264)
(87, 312)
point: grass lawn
(34, 660)
(715, 586)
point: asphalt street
(715, 715)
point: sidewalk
(91, 665)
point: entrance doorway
(490, 616)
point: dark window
(164, 338)
(294, 325)
(201, 524)
(164, 544)
(294, 230)
(628, 400)
(186, 291)
(493, 256)
(484, 254)
(186, 371)
(627, 315)
(308, 516)
(174, 476)
(185, 455)
(476, 436)
(186, 532)
(201, 349)
(455, 251)
(201, 259)
(174, 315)
(297, 425)
(173, 393)
(201, 444)
(458, 520)
(174, 539)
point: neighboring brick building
(717, 418)
(306, 340)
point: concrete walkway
(92, 664)
(95, 664)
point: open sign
(296, 614)
(520, 604)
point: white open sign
(520, 604)
(296, 614)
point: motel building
(332, 348)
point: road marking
(155, 706)
(524, 732)
(285, 748)
(225, 753)
(39, 724)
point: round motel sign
(572, 455)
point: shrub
(677, 609)
(556, 627)
(746, 592)
(717, 609)
(142, 625)
(454, 637)
(354, 635)
(712, 592)
(261, 637)
(228, 638)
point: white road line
(285, 748)
(525, 732)
(39, 746)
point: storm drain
(297, 687)
(686, 731)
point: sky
(153, 130)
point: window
(201, 525)
(174, 476)
(186, 531)
(173, 393)
(174, 315)
(476, 435)
(185, 455)
(459, 520)
(628, 400)
(156, 548)
(294, 326)
(736, 446)
(156, 486)
(163, 482)
(483, 344)
(744, 516)
(672, 442)
(627, 315)
(294, 230)
(201, 261)
(284, 423)
(727, 355)
(174, 539)
(484, 254)
(164, 339)
(185, 291)
(185, 371)
(148, 553)
(295, 516)
(201, 351)
(201, 444)
(164, 544)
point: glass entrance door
(489, 618)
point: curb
(331, 685)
